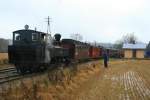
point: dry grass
(123, 80)
(3, 58)
(54, 85)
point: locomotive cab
(26, 37)
(29, 49)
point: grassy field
(123, 80)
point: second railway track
(8, 74)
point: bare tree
(128, 38)
(76, 36)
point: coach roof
(72, 41)
(32, 31)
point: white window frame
(34, 38)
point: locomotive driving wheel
(17, 68)
(31, 70)
(21, 69)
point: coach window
(17, 37)
(34, 36)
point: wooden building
(134, 50)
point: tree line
(128, 38)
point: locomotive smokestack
(57, 37)
(26, 27)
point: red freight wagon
(101, 52)
(95, 52)
(77, 50)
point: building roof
(134, 46)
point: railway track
(8, 74)
(7, 69)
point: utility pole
(48, 25)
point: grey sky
(95, 20)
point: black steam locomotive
(33, 50)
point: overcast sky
(95, 20)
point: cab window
(34, 37)
(17, 37)
(43, 37)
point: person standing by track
(105, 57)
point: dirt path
(123, 80)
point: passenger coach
(77, 50)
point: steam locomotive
(33, 50)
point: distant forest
(4, 45)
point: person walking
(105, 56)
